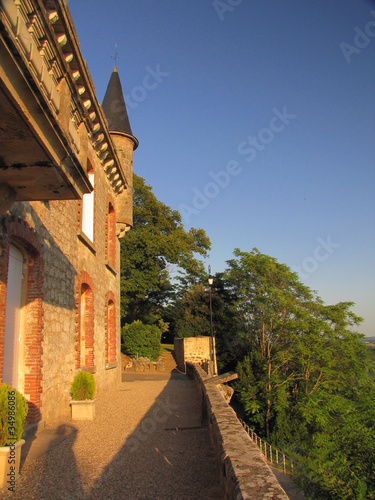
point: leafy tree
(272, 306)
(153, 253)
(304, 376)
(194, 313)
(189, 314)
(225, 324)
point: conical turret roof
(114, 108)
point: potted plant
(82, 391)
(13, 412)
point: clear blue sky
(279, 95)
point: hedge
(142, 340)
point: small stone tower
(114, 108)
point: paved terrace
(146, 442)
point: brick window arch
(85, 323)
(110, 329)
(111, 235)
(27, 375)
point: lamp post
(210, 283)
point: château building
(65, 202)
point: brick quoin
(79, 218)
(17, 232)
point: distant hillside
(370, 342)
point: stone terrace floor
(146, 442)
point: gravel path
(146, 442)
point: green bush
(83, 386)
(13, 412)
(142, 340)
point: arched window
(110, 330)
(85, 340)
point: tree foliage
(189, 316)
(304, 375)
(153, 253)
(193, 313)
(305, 378)
(83, 386)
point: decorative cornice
(44, 35)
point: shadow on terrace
(147, 441)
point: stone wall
(242, 468)
(58, 260)
(196, 350)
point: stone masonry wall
(196, 350)
(243, 470)
(67, 257)
(193, 350)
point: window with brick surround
(88, 209)
(85, 345)
(111, 236)
(110, 331)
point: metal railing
(274, 457)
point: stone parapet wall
(196, 350)
(133, 365)
(179, 353)
(243, 471)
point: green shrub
(142, 340)
(83, 386)
(13, 412)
